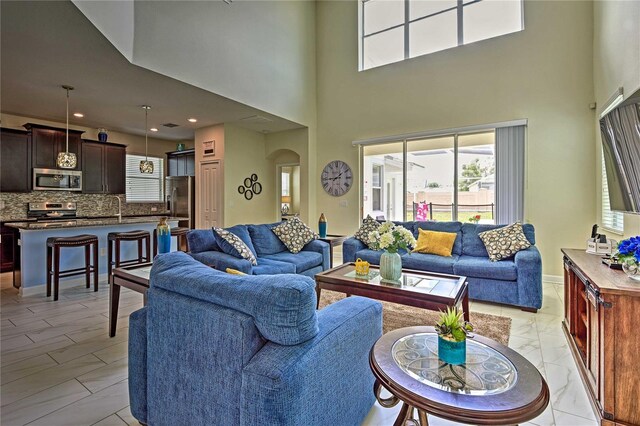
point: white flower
(386, 240)
(386, 227)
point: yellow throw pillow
(434, 242)
(234, 272)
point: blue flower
(630, 247)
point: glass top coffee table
(421, 289)
(495, 386)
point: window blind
(144, 187)
(613, 221)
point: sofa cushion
(444, 227)
(504, 243)
(272, 267)
(264, 240)
(294, 234)
(236, 242)
(282, 306)
(434, 242)
(302, 260)
(200, 240)
(371, 256)
(472, 245)
(482, 267)
(369, 225)
(429, 262)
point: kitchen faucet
(119, 208)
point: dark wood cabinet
(181, 163)
(601, 307)
(104, 166)
(46, 142)
(15, 161)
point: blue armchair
(213, 348)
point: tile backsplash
(13, 206)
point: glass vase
(164, 236)
(390, 266)
(631, 267)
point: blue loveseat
(211, 348)
(272, 255)
(516, 281)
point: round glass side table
(495, 386)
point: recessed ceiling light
(77, 114)
(153, 129)
(191, 120)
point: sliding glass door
(442, 178)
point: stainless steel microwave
(57, 180)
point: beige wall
(616, 63)
(135, 143)
(543, 74)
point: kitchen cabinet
(15, 161)
(103, 168)
(46, 142)
(182, 163)
(9, 251)
(601, 308)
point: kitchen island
(32, 276)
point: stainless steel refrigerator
(181, 200)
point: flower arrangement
(452, 327)
(475, 219)
(392, 238)
(629, 249)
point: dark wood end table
(136, 278)
(427, 290)
(333, 241)
(496, 386)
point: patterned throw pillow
(243, 250)
(294, 234)
(369, 224)
(503, 243)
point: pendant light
(146, 166)
(66, 159)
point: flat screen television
(620, 130)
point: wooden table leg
(318, 290)
(465, 305)
(114, 300)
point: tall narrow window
(612, 221)
(383, 174)
(395, 30)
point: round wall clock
(337, 178)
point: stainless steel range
(50, 211)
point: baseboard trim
(555, 279)
(70, 282)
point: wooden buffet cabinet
(601, 322)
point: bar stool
(54, 244)
(117, 238)
(179, 232)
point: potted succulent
(391, 238)
(629, 255)
(452, 332)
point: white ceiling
(49, 43)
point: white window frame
(408, 21)
(133, 162)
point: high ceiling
(47, 44)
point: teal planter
(390, 266)
(454, 353)
(164, 236)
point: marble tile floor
(59, 367)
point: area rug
(396, 316)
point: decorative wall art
(250, 187)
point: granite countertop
(89, 222)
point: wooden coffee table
(136, 278)
(428, 290)
(496, 386)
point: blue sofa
(211, 348)
(272, 255)
(516, 281)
